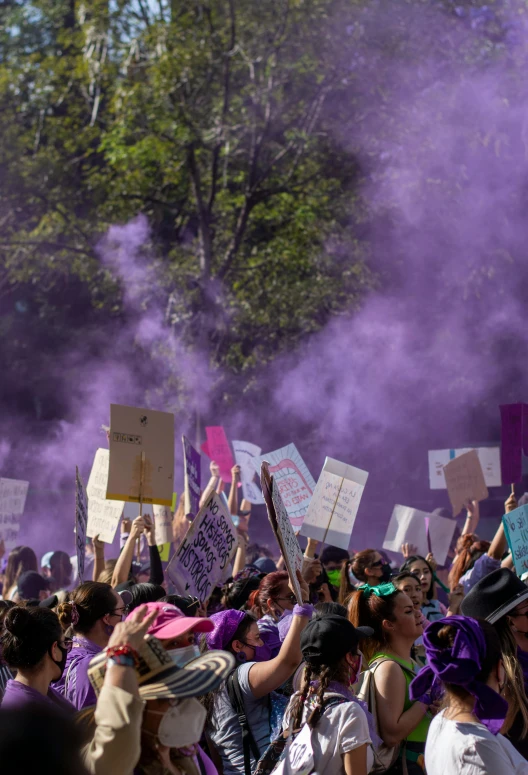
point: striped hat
(160, 678)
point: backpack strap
(236, 699)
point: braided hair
(324, 675)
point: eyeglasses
(119, 611)
(289, 598)
(377, 564)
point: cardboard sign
(516, 529)
(334, 505)
(81, 522)
(514, 440)
(428, 532)
(164, 552)
(489, 460)
(296, 484)
(245, 455)
(13, 494)
(103, 514)
(141, 455)
(163, 524)
(217, 448)
(465, 481)
(282, 528)
(205, 552)
(193, 476)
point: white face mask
(182, 656)
(182, 724)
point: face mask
(182, 724)
(260, 653)
(62, 663)
(182, 656)
(334, 577)
(386, 573)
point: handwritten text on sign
(516, 529)
(206, 550)
(103, 514)
(294, 480)
(13, 493)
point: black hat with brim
(494, 596)
(326, 639)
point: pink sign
(217, 448)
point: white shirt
(465, 748)
(341, 729)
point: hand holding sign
(465, 480)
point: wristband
(124, 655)
(121, 660)
(306, 609)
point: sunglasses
(377, 564)
(289, 598)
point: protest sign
(141, 455)
(295, 482)
(193, 475)
(103, 514)
(13, 494)
(334, 505)
(489, 460)
(516, 529)
(163, 524)
(514, 440)
(465, 480)
(81, 522)
(217, 448)
(164, 551)
(282, 528)
(205, 552)
(245, 455)
(428, 532)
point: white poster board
(163, 524)
(135, 435)
(334, 504)
(489, 460)
(81, 522)
(465, 481)
(246, 455)
(295, 482)
(205, 552)
(408, 525)
(282, 528)
(103, 514)
(13, 494)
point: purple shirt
(75, 685)
(18, 694)
(484, 565)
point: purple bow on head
(225, 625)
(459, 665)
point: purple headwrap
(459, 665)
(225, 625)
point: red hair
(371, 611)
(269, 588)
(468, 550)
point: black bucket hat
(494, 596)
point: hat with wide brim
(494, 596)
(160, 678)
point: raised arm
(232, 501)
(499, 543)
(211, 485)
(99, 557)
(472, 518)
(124, 562)
(156, 568)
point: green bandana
(382, 590)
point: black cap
(328, 638)
(494, 596)
(30, 584)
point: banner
(514, 440)
(193, 476)
(334, 505)
(13, 494)
(163, 524)
(516, 529)
(428, 532)
(489, 460)
(217, 448)
(205, 552)
(245, 456)
(141, 455)
(103, 514)
(81, 522)
(282, 528)
(295, 482)
(465, 481)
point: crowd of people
(378, 667)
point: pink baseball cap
(171, 623)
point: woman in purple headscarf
(92, 611)
(465, 664)
(34, 645)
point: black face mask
(62, 663)
(386, 573)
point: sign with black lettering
(205, 552)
